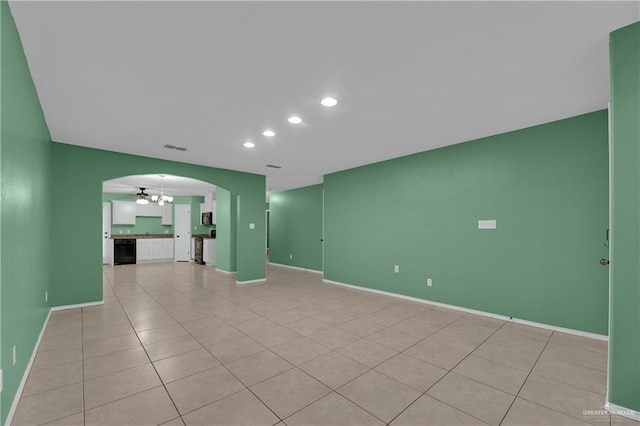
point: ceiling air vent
(273, 166)
(177, 148)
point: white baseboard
(476, 312)
(260, 280)
(79, 305)
(226, 272)
(27, 370)
(295, 267)
(621, 411)
(16, 397)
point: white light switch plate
(252, 226)
(487, 224)
(1, 381)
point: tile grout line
(145, 351)
(527, 378)
(451, 371)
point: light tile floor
(178, 343)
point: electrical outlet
(46, 296)
(429, 282)
(120, 231)
(128, 231)
(290, 256)
(396, 269)
(13, 354)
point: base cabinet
(154, 249)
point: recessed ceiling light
(294, 120)
(269, 133)
(249, 144)
(329, 102)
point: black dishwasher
(124, 251)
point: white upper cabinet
(124, 212)
(167, 214)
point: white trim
(16, 397)
(226, 272)
(252, 281)
(610, 152)
(295, 267)
(476, 312)
(78, 305)
(621, 411)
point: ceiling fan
(142, 197)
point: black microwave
(207, 218)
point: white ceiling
(409, 76)
(153, 184)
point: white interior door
(106, 233)
(182, 232)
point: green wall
(25, 207)
(77, 260)
(624, 315)
(547, 187)
(296, 227)
(226, 233)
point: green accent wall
(547, 187)
(77, 258)
(624, 315)
(295, 220)
(226, 233)
(25, 209)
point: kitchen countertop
(139, 236)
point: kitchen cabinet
(124, 212)
(143, 250)
(209, 251)
(167, 214)
(168, 249)
(154, 249)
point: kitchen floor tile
(255, 368)
(241, 408)
(429, 411)
(105, 389)
(116, 361)
(290, 391)
(334, 338)
(333, 410)
(179, 366)
(203, 388)
(45, 379)
(235, 349)
(151, 407)
(171, 347)
(333, 369)
(47, 406)
(478, 400)
(491, 373)
(527, 413)
(436, 354)
(380, 395)
(412, 372)
(367, 353)
(300, 351)
(561, 397)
